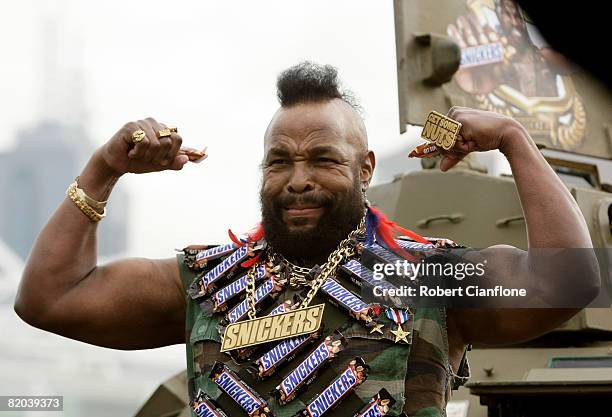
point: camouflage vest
(419, 376)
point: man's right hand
(151, 154)
(133, 303)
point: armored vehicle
(487, 55)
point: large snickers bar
(204, 406)
(220, 299)
(353, 376)
(269, 288)
(345, 299)
(378, 406)
(239, 391)
(282, 353)
(304, 374)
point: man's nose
(301, 179)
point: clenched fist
(151, 154)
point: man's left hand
(481, 131)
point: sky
(207, 67)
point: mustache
(316, 199)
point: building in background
(51, 151)
(33, 178)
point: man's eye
(277, 162)
(326, 161)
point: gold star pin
(400, 334)
(377, 328)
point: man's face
(313, 174)
(513, 24)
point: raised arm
(127, 304)
(553, 221)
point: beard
(342, 214)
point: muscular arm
(553, 221)
(127, 304)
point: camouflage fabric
(419, 376)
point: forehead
(306, 125)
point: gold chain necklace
(297, 273)
(301, 320)
(344, 250)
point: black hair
(311, 82)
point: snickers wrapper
(353, 376)
(202, 258)
(283, 352)
(204, 406)
(243, 354)
(349, 302)
(209, 281)
(379, 405)
(220, 299)
(246, 397)
(304, 374)
(268, 291)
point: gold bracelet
(96, 205)
(92, 214)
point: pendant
(271, 328)
(441, 130)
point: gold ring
(164, 133)
(173, 129)
(138, 135)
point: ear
(367, 169)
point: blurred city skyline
(203, 67)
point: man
(316, 169)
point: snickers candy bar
(269, 289)
(282, 353)
(425, 150)
(304, 374)
(207, 283)
(406, 244)
(203, 257)
(285, 306)
(204, 406)
(353, 376)
(241, 355)
(220, 299)
(190, 253)
(360, 275)
(346, 300)
(378, 406)
(247, 398)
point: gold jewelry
(98, 206)
(297, 274)
(89, 211)
(138, 135)
(344, 251)
(305, 319)
(173, 129)
(164, 133)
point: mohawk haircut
(311, 82)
